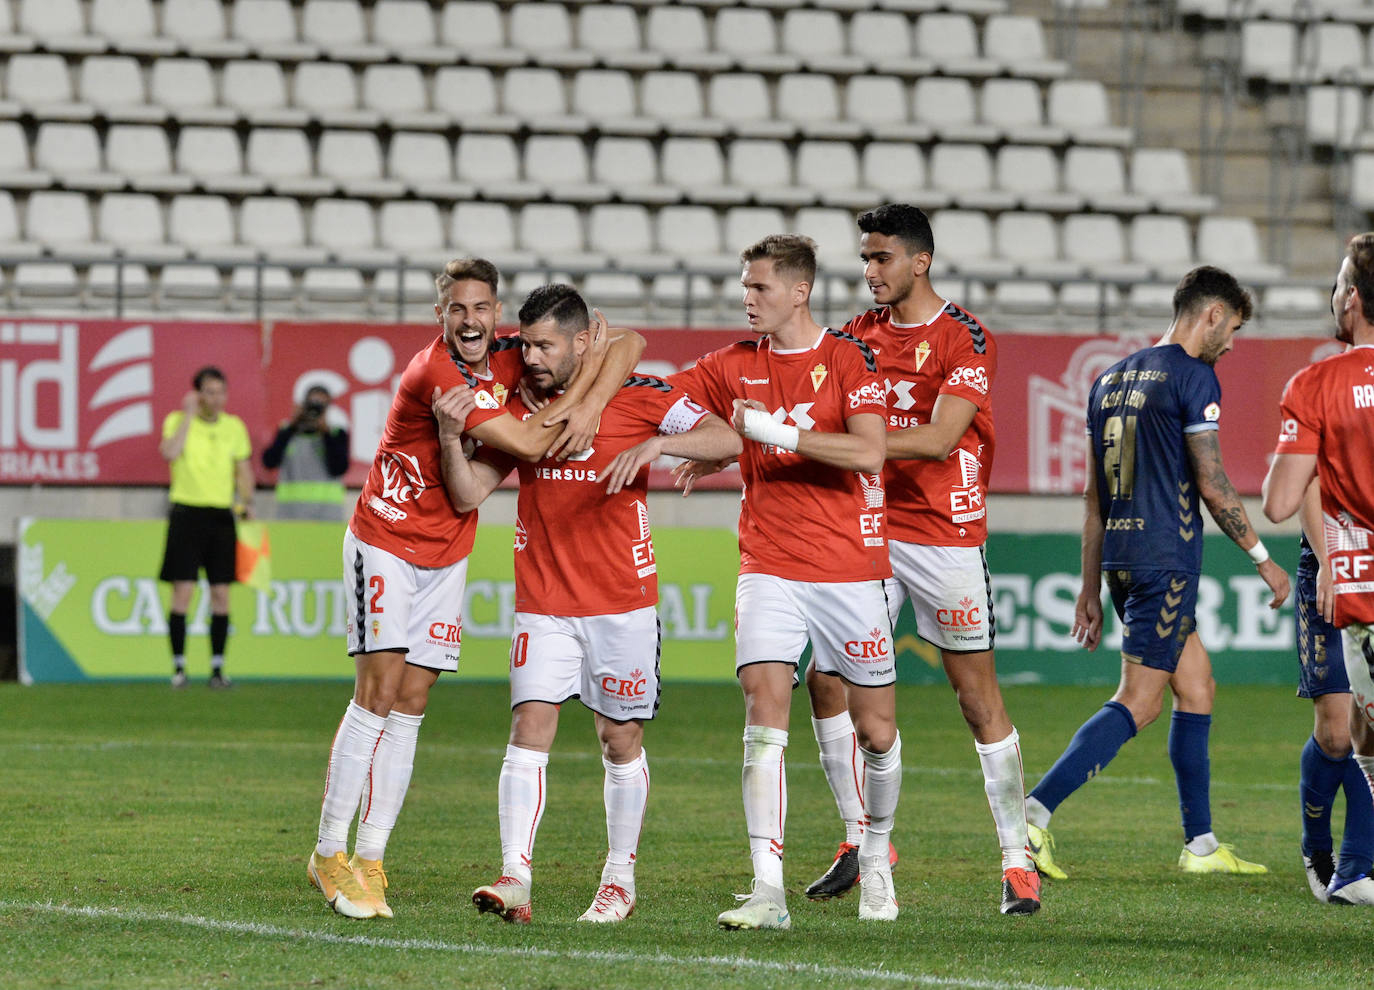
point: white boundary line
(733, 963)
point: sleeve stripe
(870, 362)
(975, 329)
(464, 370)
(1201, 427)
(505, 343)
(647, 381)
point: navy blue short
(1321, 659)
(1157, 615)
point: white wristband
(760, 426)
(1257, 553)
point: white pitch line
(734, 963)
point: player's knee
(1334, 740)
(877, 735)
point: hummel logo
(753, 381)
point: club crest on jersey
(522, 538)
(818, 374)
(500, 393)
(922, 352)
(376, 628)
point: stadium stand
(307, 156)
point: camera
(314, 408)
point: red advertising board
(82, 401)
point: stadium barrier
(91, 609)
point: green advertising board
(91, 608)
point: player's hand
(190, 403)
(601, 337)
(685, 474)
(627, 463)
(577, 436)
(535, 399)
(1277, 579)
(1326, 594)
(737, 413)
(1087, 619)
(451, 411)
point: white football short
(394, 605)
(1358, 642)
(846, 623)
(950, 591)
(609, 661)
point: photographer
(313, 457)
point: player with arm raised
(586, 590)
(1327, 432)
(813, 555)
(1153, 451)
(405, 566)
(938, 363)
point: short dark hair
(909, 224)
(793, 255)
(318, 387)
(1360, 251)
(561, 302)
(209, 371)
(462, 269)
(1206, 284)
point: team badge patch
(1212, 413)
(485, 400)
(818, 374)
(922, 352)
(500, 393)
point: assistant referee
(209, 454)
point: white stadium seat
(492, 163)
(629, 165)
(412, 229)
(544, 31)
(467, 95)
(186, 88)
(949, 106)
(282, 157)
(257, 90)
(965, 172)
(606, 97)
(406, 28)
(536, 96)
(745, 225)
(205, 225)
(681, 33)
(72, 153)
(692, 235)
(764, 168)
(883, 38)
(1031, 172)
(130, 27)
(1162, 175)
(328, 91)
(353, 159)
(674, 100)
(897, 170)
(142, 154)
(474, 29)
(488, 230)
(741, 100)
(951, 42)
(1100, 175)
(113, 84)
(214, 157)
(269, 27)
(750, 37)
(337, 27)
(1030, 240)
(60, 221)
(59, 25)
(1080, 106)
(1018, 42)
(424, 163)
(347, 229)
(275, 225)
(696, 166)
(133, 223)
(830, 169)
(198, 25)
(1097, 241)
(610, 31)
(559, 164)
(1015, 108)
(811, 101)
(1233, 243)
(398, 93)
(1164, 243)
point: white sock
(882, 788)
(1036, 813)
(626, 793)
(1204, 844)
(844, 770)
(350, 761)
(1006, 790)
(1366, 765)
(764, 781)
(520, 797)
(387, 784)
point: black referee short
(199, 537)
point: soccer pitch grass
(158, 839)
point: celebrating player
(586, 587)
(938, 363)
(1326, 432)
(1326, 766)
(812, 556)
(405, 567)
(1153, 449)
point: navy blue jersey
(1139, 414)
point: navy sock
(1092, 747)
(176, 631)
(1318, 781)
(1188, 732)
(1357, 845)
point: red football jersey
(1328, 410)
(800, 519)
(935, 503)
(578, 550)
(404, 507)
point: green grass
(155, 839)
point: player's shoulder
(869, 321)
(844, 341)
(956, 321)
(510, 342)
(646, 382)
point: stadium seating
(274, 138)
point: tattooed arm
(1223, 502)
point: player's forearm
(848, 451)
(927, 442)
(1310, 516)
(1286, 484)
(465, 487)
(1217, 492)
(710, 440)
(621, 357)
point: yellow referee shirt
(204, 473)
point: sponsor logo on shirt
(753, 381)
(1212, 413)
(386, 510)
(565, 474)
(522, 537)
(1363, 395)
(967, 617)
(401, 477)
(873, 649)
(1289, 431)
(902, 390)
(872, 393)
(974, 378)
